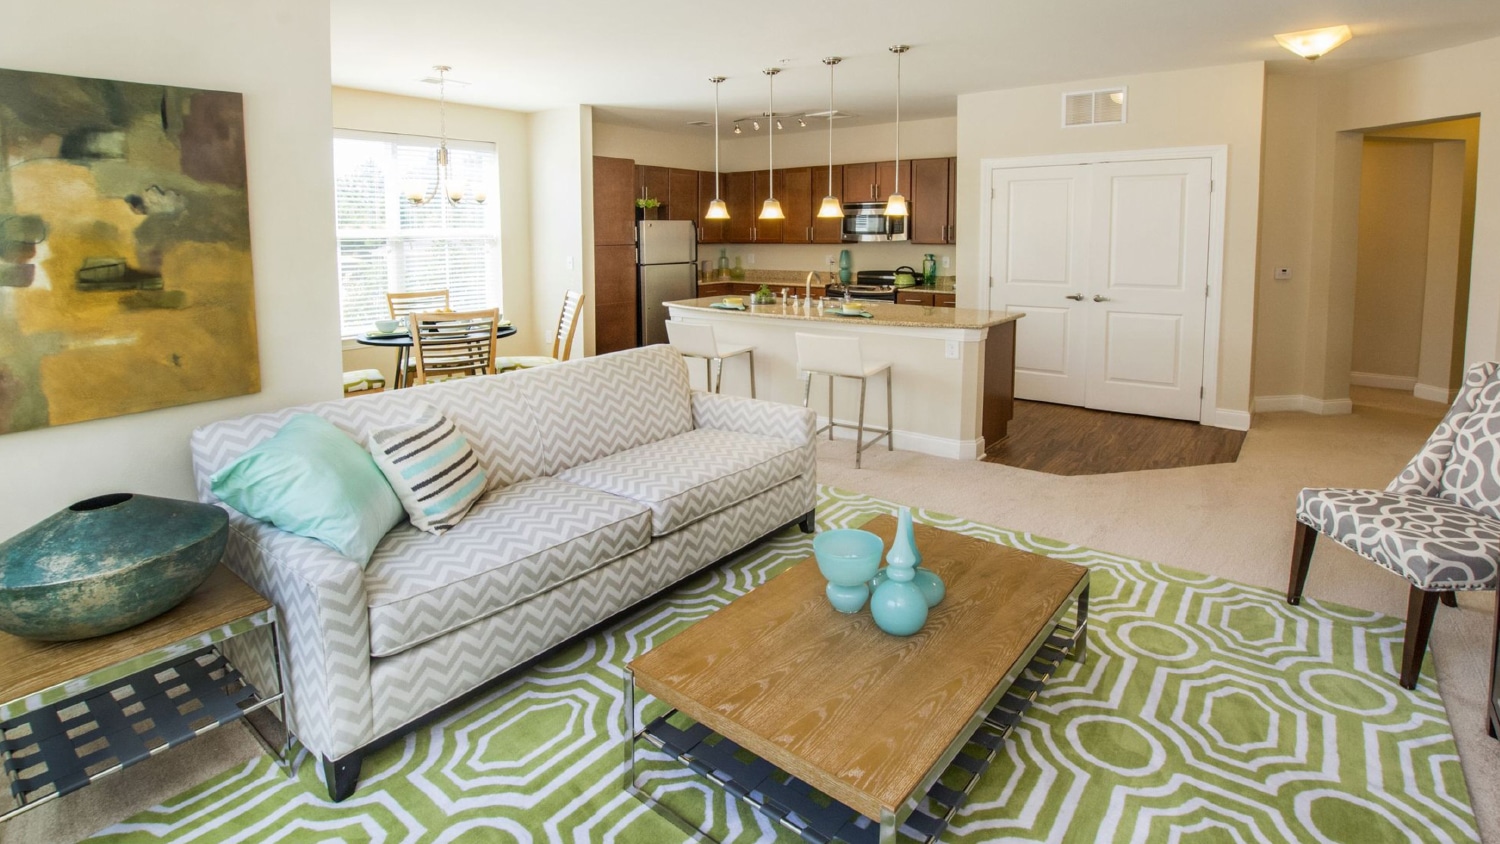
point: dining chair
(1437, 524)
(562, 341)
(452, 345)
(417, 301)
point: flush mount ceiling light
(717, 210)
(830, 206)
(895, 205)
(771, 209)
(442, 181)
(1312, 43)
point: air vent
(1091, 108)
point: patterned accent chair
(1437, 524)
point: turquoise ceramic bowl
(848, 558)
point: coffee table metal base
(818, 819)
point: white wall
(562, 202)
(507, 130)
(1206, 106)
(691, 147)
(278, 57)
(1394, 197)
(1325, 155)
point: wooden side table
(73, 712)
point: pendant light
(442, 181)
(830, 206)
(771, 209)
(895, 206)
(717, 210)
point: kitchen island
(953, 369)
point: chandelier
(442, 181)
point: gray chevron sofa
(610, 479)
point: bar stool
(840, 357)
(698, 341)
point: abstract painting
(125, 276)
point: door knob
(1077, 297)
(1098, 298)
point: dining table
(401, 342)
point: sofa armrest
(324, 630)
(754, 416)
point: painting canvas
(125, 277)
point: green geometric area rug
(1206, 711)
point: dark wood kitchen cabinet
(614, 298)
(653, 183)
(797, 204)
(931, 200)
(709, 231)
(682, 195)
(768, 231)
(614, 201)
(860, 182)
(886, 181)
(826, 229)
(739, 195)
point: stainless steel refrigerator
(666, 256)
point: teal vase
(845, 264)
(898, 605)
(848, 558)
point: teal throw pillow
(313, 480)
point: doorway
(1115, 259)
(1413, 255)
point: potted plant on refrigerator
(647, 209)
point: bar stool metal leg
(859, 430)
(830, 408)
(890, 418)
(718, 382)
(751, 357)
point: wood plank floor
(1064, 440)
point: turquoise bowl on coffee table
(848, 558)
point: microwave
(866, 221)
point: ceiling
(647, 63)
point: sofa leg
(1303, 541)
(1421, 606)
(809, 520)
(341, 776)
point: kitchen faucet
(807, 287)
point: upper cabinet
(860, 182)
(768, 231)
(796, 204)
(653, 183)
(682, 195)
(886, 182)
(615, 189)
(826, 229)
(931, 197)
(739, 195)
(709, 231)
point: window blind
(387, 244)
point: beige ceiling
(646, 63)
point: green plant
(647, 203)
(764, 295)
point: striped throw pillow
(432, 468)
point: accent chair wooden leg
(1450, 598)
(1421, 606)
(341, 776)
(1303, 540)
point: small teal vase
(932, 586)
(845, 263)
(898, 605)
(848, 558)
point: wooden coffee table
(848, 729)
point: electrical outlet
(950, 349)
(947, 261)
(569, 261)
(1283, 273)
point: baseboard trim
(1304, 404)
(1234, 420)
(1430, 392)
(1384, 382)
(921, 443)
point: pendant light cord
(771, 134)
(830, 62)
(898, 116)
(716, 80)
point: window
(387, 244)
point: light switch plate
(947, 261)
(950, 349)
(1283, 273)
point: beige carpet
(1232, 520)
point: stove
(868, 284)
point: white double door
(1110, 263)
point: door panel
(1039, 248)
(1150, 270)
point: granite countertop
(884, 313)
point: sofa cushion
(432, 468)
(516, 543)
(692, 475)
